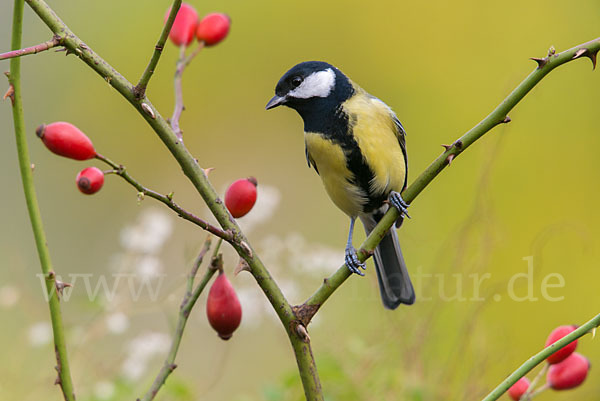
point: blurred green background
(528, 189)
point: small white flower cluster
(40, 334)
(149, 234)
(139, 352)
(9, 296)
(142, 243)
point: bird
(357, 145)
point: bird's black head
(312, 86)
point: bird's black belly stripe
(334, 126)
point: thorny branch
(55, 41)
(60, 345)
(498, 116)
(140, 89)
(189, 300)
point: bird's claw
(397, 201)
(353, 263)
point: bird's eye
(296, 81)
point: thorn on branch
(60, 286)
(242, 266)
(540, 61)
(586, 53)
(10, 93)
(506, 120)
(447, 147)
(450, 158)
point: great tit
(356, 144)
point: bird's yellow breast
(330, 160)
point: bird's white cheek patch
(317, 84)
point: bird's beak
(275, 101)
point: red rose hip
(569, 373)
(66, 140)
(517, 390)
(241, 196)
(567, 350)
(213, 28)
(223, 307)
(90, 180)
(184, 26)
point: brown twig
(55, 41)
(182, 63)
(167, 200)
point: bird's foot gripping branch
(182, 25)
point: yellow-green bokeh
(529, 188)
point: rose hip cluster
(67, 140)
(210, 30)
(566, 368)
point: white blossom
(148, 235)
(9, 296)
(117, 322)
(40, 333)
(139, 352)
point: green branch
(197, 176)
(541, 357)
(189, 300)
(496, 117)
(60, 347)
(140, 88)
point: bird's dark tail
(394, 282)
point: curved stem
(541, 357)
(60, 346)
(498, 116)
(140, 89)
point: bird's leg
(397, 201)
(351, 258)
